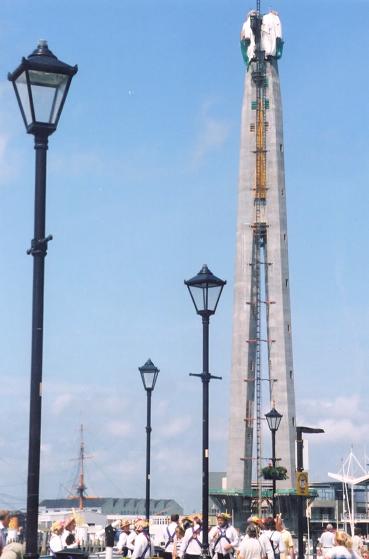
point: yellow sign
(302, 484)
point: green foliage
(279, 472)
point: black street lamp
(205, 290)
(41, 84)
(273, 419)
(300, 498)
(149, 374)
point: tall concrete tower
(262, 341)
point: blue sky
(142, 187)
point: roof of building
(110, 505)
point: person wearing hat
(191, 545)
(56, 542)
(267, 550)
(125, 526)
(169, 535)
(223, 538)
(68, 532)
(143, 549)
(4, 522)
(13, 528)
(132, 536)
(187, 522)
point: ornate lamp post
(149, 374)
(205, 290)
(41, 83)
(273, 419)
(300, 498)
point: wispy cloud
(176, 427)
(62, 402)
(119, 428)
(344, 419)
(213, 133)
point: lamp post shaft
(38, 251)
(300, 498)
(205, 433)
(274, 480)
(148, 452)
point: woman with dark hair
(274, 537)
(250, 547)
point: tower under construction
(262, 341)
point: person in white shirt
(122, 546)
(250, 547)
(274, 537)
(143, 549)
(177, 542)
(69, 528)
(267, 550)
(223, 538)
(191, 545)
(132, 537)
(326, 540)
(169, 535)
(56, 542)
(4, 522)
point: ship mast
(81, 488)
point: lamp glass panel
(213, 296)
(199, 297)
(148, 378)
(22, 89)
(47, 94)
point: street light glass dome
(41, 84)
(205, 290)
(149, 374)
(273, 419)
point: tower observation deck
(262, 339)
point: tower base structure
(241, 505)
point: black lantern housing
(41, 83)
(273, 419)
(205, 290)
(149, 374)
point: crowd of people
(264, 538)
(336, 544)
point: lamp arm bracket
(39, 246)
(205, 376)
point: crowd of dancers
(268, 539)
(263, 538)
